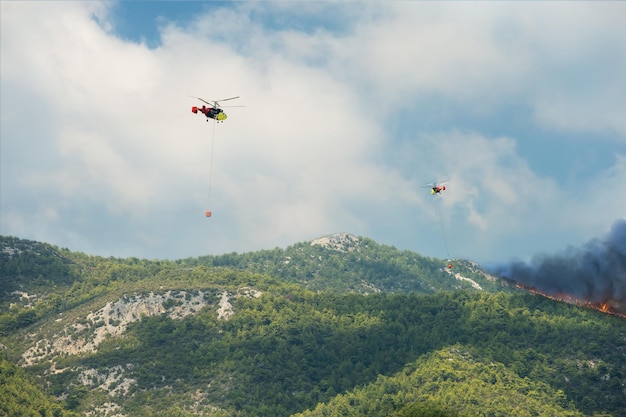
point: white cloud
(565, 59)
(100, 148)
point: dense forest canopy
(359, 329)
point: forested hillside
(450, 382)
(20, 396)
(347, 263)
(282, 332)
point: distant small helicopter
(213, 111)
(436, 187)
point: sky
(350, 109)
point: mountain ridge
(282, 331)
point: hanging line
(208, 213)
(443, 227)
(211, 162)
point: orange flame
(607, 306)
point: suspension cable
(211, 161)
(208, 212)
(443, 227)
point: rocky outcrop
(341, 242)
(112, 320)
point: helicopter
(213, 111)
(436, 187)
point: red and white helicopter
(436, 187)
(213, 110)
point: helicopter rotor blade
(203, 100)
(224, 99)
(216, 103)
(435, 183)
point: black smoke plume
(594, 273)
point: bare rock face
(85, 335)
(225, 308)
(112, 320)
(341, 242)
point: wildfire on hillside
(612, 307)
(590, 276)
